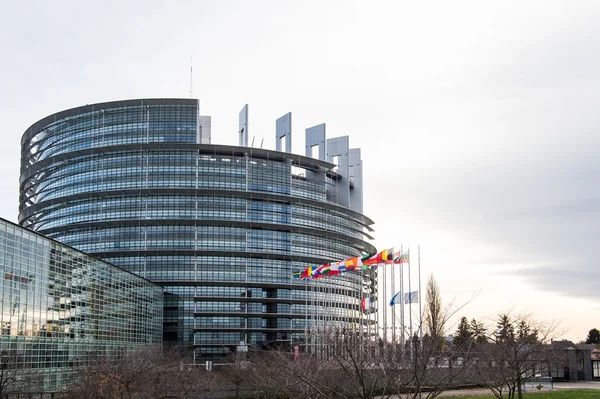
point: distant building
(577, 364)
(140, 184)
(596, 362)
(59, 305)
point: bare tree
(174, 379)
(12, 370)
(121, 373)
(433, 312)
(360, 370)
(346, 364)
(427, 366)
(274, 374)
(364, 369)
(517, 349)
(142, 372)
(234, 376)
(425, 369)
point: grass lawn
(559, 394)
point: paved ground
(577, 385)
(466, 392)
(557, 386)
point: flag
(372, 260)
(387, 254)
(390, 259)
(411, 297)
(393, 301)
(368, 303)
(296, 274)
(401, 258)
(321, 271)
(335, 268)
(306, 273)
(353, 263)
(381, 257)
(326, 270)
(338, 266)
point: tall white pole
(402, 298)
(191, 87)
(420, 297)
(306, 320)
(409, 300)
(376, 289)
(361, 313)
(385, 306)
(393, 309)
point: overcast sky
(477, 120)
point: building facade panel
(60, 305)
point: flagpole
(375, 330)
(361, 313)
(306, 295)
(385, 332)
(402, 295)
(316, 314)
(326, 316)
(377, 325)
(409, 299)
(367, 314)
(322, 316)
(420, 296)
(393, 310)
(310, 311)
(348, 308)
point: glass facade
(220, 227)
(60, 305)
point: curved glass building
(220, 227)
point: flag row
(357, 263)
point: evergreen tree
(463, 335)
(505, 329)
(593, 337)
(526, 333)
(479, 332)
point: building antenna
(191, 91)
